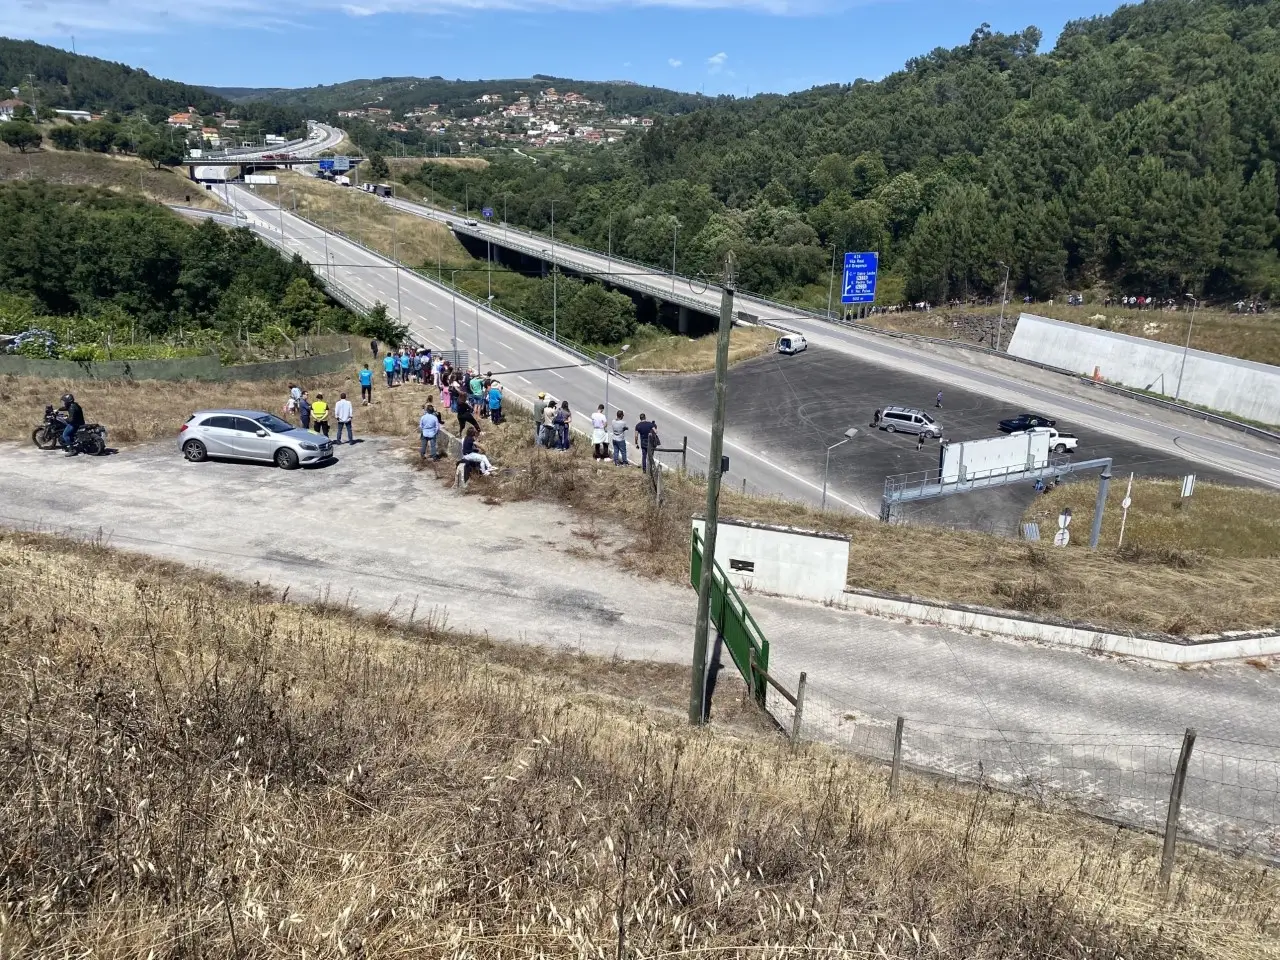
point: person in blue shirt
(495, 401)
(404, 367)
(389, 365)
(429, 428)
(366, 386)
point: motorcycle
(90, 439)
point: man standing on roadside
(618, 431)
(320, 414)
(643, 430)
(366, 386)
(429, 428)
(304, 410)
(389, 368)
(342, 413)
(539, 407)
(373, 348)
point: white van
(907, 420)
(792, 343)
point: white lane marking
(525, 379)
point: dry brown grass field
(686, 355)
(1212, 567)
(121, 174)
(199, 769)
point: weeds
(194, 769)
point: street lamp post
(1195, 305)
(554, 273)
(848, 435)
(831, 282)
(453, 290)
(1004, 298)
(675, 230)
(608, 263)
(395, 255)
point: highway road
(527, 364)
(1165, 434)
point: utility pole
(395, 255)
(698, 684)
(1195, 305)
(1004, 298)
(608, 263)
(453, 288)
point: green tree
(24, 113)
(65, 138)
(303, 307)
(160, 152)
(378, 168)
(20, 135)
(598, 315)
(378, 324)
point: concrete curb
(1165, 648)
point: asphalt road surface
(791, 408)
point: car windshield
(928, 419)
(274, 423)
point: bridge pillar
(682, 323)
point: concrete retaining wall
(783, 561)
(1241, 387)
(194, 368)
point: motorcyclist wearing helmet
(75, 420)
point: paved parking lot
(791, 409)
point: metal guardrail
(742, 635)
(535, 329)
(926, 484)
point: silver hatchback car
(251, 435)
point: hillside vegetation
(199, 769)
(1139, 154)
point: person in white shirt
(600, 435)
(342, 413)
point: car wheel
(286, 459)
(891, 428)
(1060, 448)
(194, 451)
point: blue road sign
(487, 213)
(859, 284)
(326, 164)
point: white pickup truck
(1058, 442)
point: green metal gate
(741, 633)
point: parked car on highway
(908, 420)
(1026, 421)
(251, 435)
(1058, 442)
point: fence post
(897, 758)
(751, 673)
(684, 454)
(1175, 807)
(795, 720)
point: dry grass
(462, 163)
(1151, 589)
(196, 769)
(1218, 521)
(417, 242)
(121, 174)
(685, 355)
(145, 410)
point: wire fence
(1230, 799)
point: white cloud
(715, 62)
(674, 62)
(55, 19)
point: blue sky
(716, 46)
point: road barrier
(742, 635)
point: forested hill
(1140, 153)
(69, 80)
(458, 97)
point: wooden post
(1175, 807)
(796, 719)
(897, 758)
(684, 454)
(751, 672)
